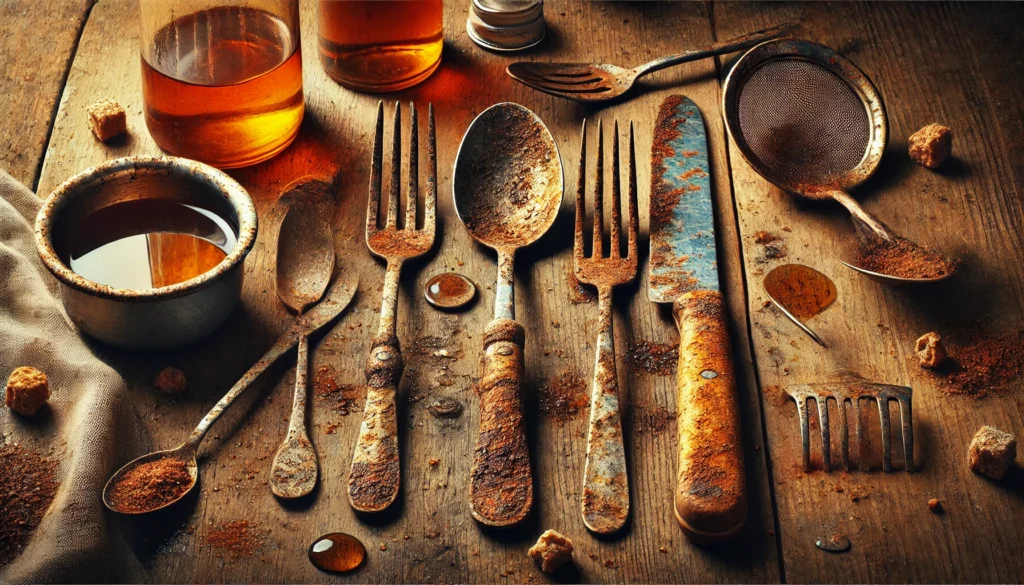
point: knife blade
(710, 497)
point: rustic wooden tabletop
(959, 64)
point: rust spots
(690, 174)
(564, 397)
(578, 293)
(651, 419)
(373, 485)
(648, 357)
(690, 153)
(384, 366)
(341, 398)
(902, 258)
(772, 246)
(606, 508)
(445, 407)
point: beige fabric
(90, 426)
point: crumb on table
(935, 505)
(931, 145)
(27, 390)
(551, 551)
(929, 350)
(992, 452)
(107, 119)
(170, 381)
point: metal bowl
(157, 318)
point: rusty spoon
(338, 297)
(508, 188)
(305, 260)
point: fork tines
(615, 269)
(373, 226)
(853, 392)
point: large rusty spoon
(508, 188)
(305, 260)
(338, 297)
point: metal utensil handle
(501, 482)
(711, 492)
(739, 43)
(297, 422)
(605, 500)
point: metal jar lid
(506, 25)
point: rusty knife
(711, 495)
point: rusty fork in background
(374, 478)
(605, 500)
(853, 392)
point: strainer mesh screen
(802, 122)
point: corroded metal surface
(853, 392)
(374, 478)
(157, 318)
(605, 500)
(305, 260)
(583, 82)
(507, 193)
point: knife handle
(501, 483)
(711, 492)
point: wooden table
(958, 64)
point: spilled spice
(564, 396)
(150, 485)
(27, 488)
(802, 290)
(652, 419)
(339, 397)
(653, 358)
(237, 539)
(903, 259)
(983, 364)
(772, 246)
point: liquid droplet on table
(337, 553)
(802, 290)
(836, 543)
(449, 291)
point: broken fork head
(853, 392)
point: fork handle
(732, 45)
(711, 491)
(501, 483)
(374, 478)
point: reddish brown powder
(564, 397)
(983, 364)
(902, 258)
(150, 485)
(237, 539)
(653, 358)
(339, 397)
(27, 488)
(652, 419)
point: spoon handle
(732, 45)
(501, 483)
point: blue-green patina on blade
(683, 256)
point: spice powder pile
(903, 259)
(237, 539)
(984, 364)
(653, 358)
(150, 485)
(27, 488)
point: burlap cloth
(90, 426)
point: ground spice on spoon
(902, 258)
(150, 485)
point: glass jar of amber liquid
(222, 79)
(380, 45)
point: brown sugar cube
(107, 119)
(27, 390)
(935, 505)
(930, 350)
(171, 381)
(992, 452)
(931, 145)
(552, 551)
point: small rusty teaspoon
(305, 260)
(508, 187)
(337, 299)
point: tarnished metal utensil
(584, 82)
(373, 481)
(853, 392)
(339, 295)
(605, 501)
(810, 122)
(305, 260)
(711, 492)
(508, 188)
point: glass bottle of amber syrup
(380, 45)
(222, 79)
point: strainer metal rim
(785, 49)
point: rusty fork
(605, 500)
(374, 478)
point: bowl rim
(217, 180)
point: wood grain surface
(957, 64)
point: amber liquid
(148, 243)
(380, 45)
(224, 86)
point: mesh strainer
(810, 122)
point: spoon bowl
(185, 453)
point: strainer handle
(740, 43)
(861, 216)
